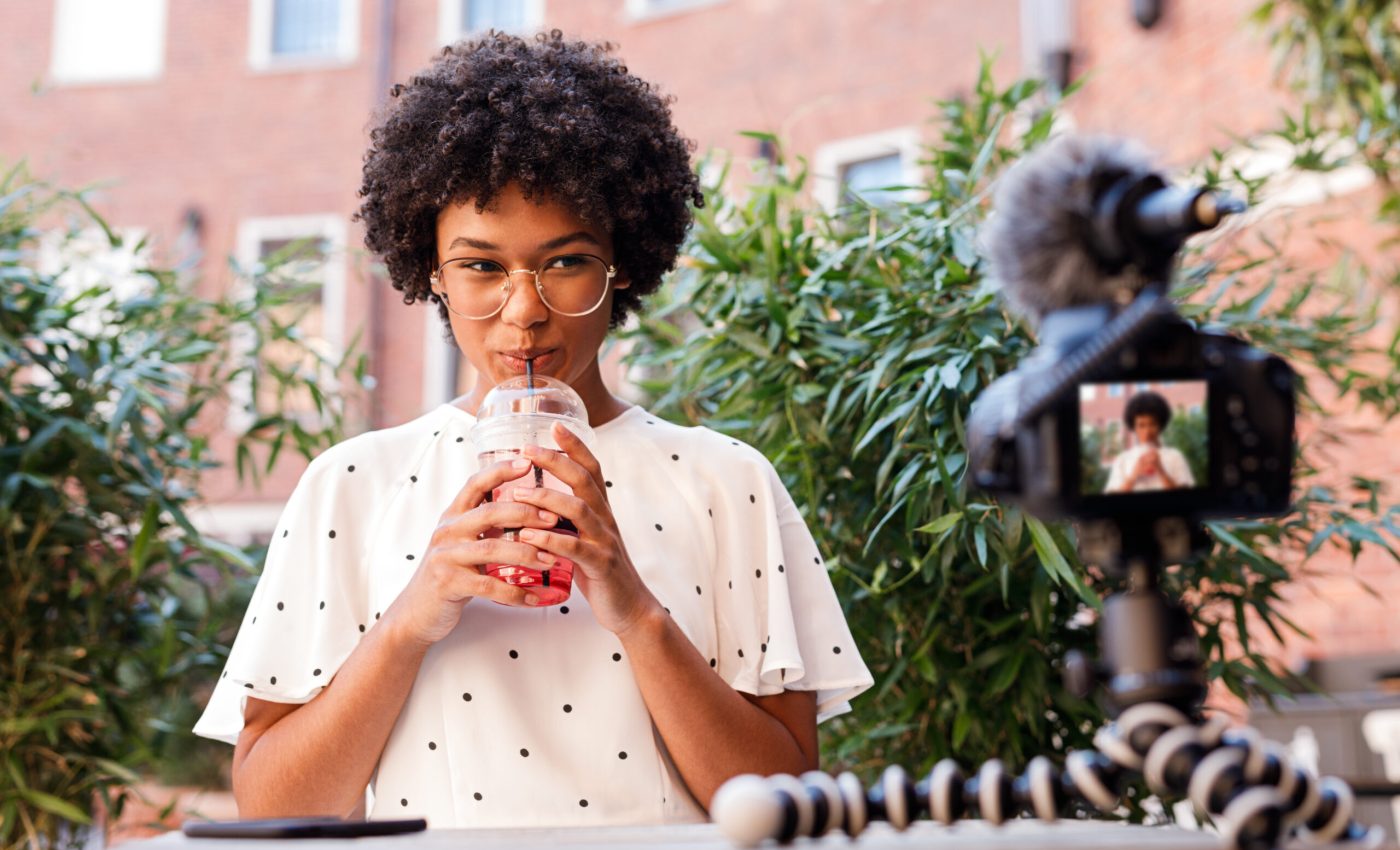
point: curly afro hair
(1147, 403)
(564, 120)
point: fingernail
(522, 494)
(531, 451)
(544, 558)
(548, 517)
(520, 464)
(528, 534)
(532, 600)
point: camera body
(1057, 436)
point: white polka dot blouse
(532, 717)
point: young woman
(702, 639)
(1148, 465)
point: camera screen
(1143, 436)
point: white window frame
(646, 10)
(261, 57)
(61, 73)
(252, 233)
(832, 157)
(437, 360)
(452, 28)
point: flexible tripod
(1151, 670)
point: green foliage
(848, 347)
(114, 601)
(1343, 56)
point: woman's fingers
(494, 515)
(480, 485)
(568, 469)
(461, 569)
(584, 517)
(578, 451)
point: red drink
(552, 585)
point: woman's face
(1146, 429)
(514, 233)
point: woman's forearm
(710, 730)
(317, 759)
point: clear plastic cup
(521, 412)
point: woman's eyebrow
(557, 242)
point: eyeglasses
(569, 285)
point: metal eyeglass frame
(435, 280)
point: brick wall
(234, 143)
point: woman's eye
(478, 266)
(568, 261)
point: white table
(971, 835)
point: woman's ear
(621, 280)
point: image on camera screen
(1143, 436)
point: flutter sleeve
(783, 628)
(308, 611)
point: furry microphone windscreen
(1038, 238)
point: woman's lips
(515, 360)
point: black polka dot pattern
(279, 606)
(563, 609)
(432, 745)
(514, 654)
(350, 468)
(752, 499)
(836, 650)
(413, 478)
(323, 605)
(524, 753)
(332, 534)
(675, 457)
(460, 439)
(403, 802)
(362, 628)
(622, 755)
(409, 557)
(658, 526)
(713, 662)
(617, 656)
(273, 680)
(583, 803)
(758, 573)
(285, 532)
(780, 568)
(316, 672)
(476, 796)
(607, 483)
(741, 653)
(568, 708)
(697, 590)
(466, 697)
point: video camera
(1125, 410)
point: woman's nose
(523, 307)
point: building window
(459, 18)
(307, 254)
(657, 8)
(876, 168)
(99, 41)
(300, 33)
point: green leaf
(942, 524)
(56, 806)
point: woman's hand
(604, 574)
(453, 568)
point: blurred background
(217, 133)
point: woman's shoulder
(381, 455)
(697, 444)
